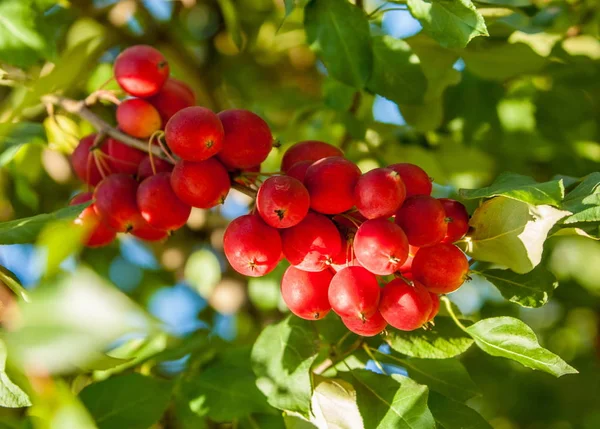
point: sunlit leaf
(11, 395)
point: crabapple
(435, 306)
(457, 218)
(416, 181)
(379, 193)
(309, 150)
(423, 220)
(115, 202)
(305, 293)
(442, 268)
(404, 306)
(282, 201)
(354, 292)
(123, 159)
(149, 233)
(330, 183)
(380, 246)
(406, 266)
(174, 96)
(369, 327)
(145, 167)
(138, 118)
(298, 170)
(248, 139)
(97, 232)
(194, 133)
(159, 205)
(141, 70)
(86, 162)
(312, 244)
(252, 247)
(203, 184)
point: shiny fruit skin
(145, 167)
(248, 139)
(148, 233)
(194, 134)
(423, 220)
(379, 193)
(159, 205)
(305, 293)
(83, 162)
(403, 306)
(407, 265)
(115, 202)
(354, 292)
(312, 244)
(435, 306)
(345, 257)
(298, 170)
(415, 179)
(174, 96)
(380, 246)
(370, 327)
(202, 184)
(282, 201)
(252, 247)
(442, 268)
(138, 118)
(309, 150)
(99, 234)
(457, 218)
(330, 183)
(141, 70)
(123, 159)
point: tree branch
(79, 108)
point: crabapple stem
(448, 305)
(377, 363)
(81, 109)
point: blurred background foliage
(525, 99)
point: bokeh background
(527, 100)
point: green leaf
(11, 395)
(338, 95)
(60, 409)
(395, 76)
(453, 23)
(454, 415)
(513, 3)
(130, 401)
(27, 229)
(444, 341)
(63, 133)
(340, 31)
(20, 43)
(226, 389)
(334, 405)
(59, 240)
(520, 188)
(584, 200)
(230, 15)
(390, 402)
(532, 289)
(281, 359)
(10, 279)
(18, 133)
(511, 233)
(510, 338)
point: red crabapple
(174, 96)
(115, 202)
(85, 163)
(345, 257)
(442, 268)
(309, 150)
(305, 293)
(457, 219)
(248, 139)
(435, 306)
(141, 70)
(330, 183)
(159, 205)
(252, 247)
(123, 159)
(312, 244)
(379, 193)
(405, 307)
(148, 233)
(370, 327)
(416, 181)
(202, 184)
(380, 246)
(138, 118)
(194, 133)
(406, 266)
(145, 167)
(298, 170)
(98, 233)
(282, 201)
(354, 292)
(423, 220)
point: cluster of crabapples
(376, 248)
